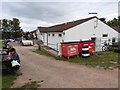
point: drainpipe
(63, 36)
(96, 21)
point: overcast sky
(33, 14)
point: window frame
(53, 34)
(104, 35)
(113, 40)
(60, 35)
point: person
(13, 55)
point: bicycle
(106, 47)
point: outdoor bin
(70, 49)
(85, 51)
(91, 45)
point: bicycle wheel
(110, 48)
(104, 48)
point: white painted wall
(86, 30)
(42, 36)
(79, 32)
(53, 41)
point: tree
(11, 28)
(16, 29)
(118, 20)
(5, 29)
(114, 22)
(103, 20)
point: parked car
(27, 42)
(11, 40)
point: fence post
(39, 42)
(58, 49)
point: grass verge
(8, 80)
(1, 43)
(32, 84)
(108, 59)
(99, 59)
(43, 52)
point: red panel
(73, 49)
(91, 45)
(70, 49)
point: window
(105, 35)
(60, 35)
(53, 34)
(93, 37)
(113, 40)
(63, 33)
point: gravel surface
(60, 74)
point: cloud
(33, 14)
(60, 0)
(36, 11)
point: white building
(88, 28)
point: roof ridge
(75, 20)
(64, 26)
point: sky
(47, 13)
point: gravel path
(59, 74)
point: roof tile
(64, 26)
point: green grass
(99, 59)
(7, 80)
(32, 84)
(0, 82)
(1, 43)
(43, 52)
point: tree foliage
(103, 19)
(114, 22)
(11, 28)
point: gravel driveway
(60, 74)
